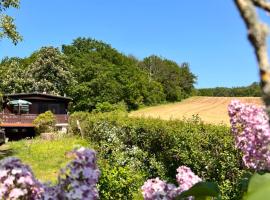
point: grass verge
(44, 157)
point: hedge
(207, 149)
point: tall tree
(177, 81)
(49, 71)
(105, 75)
(13, 79)
(7, 25)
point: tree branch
(257, 35)
(265, 5)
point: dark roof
(36, 94)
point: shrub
(107, 107)
(119, 182)
(45, 122)
(207, 149)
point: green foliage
(207, 149)
(7, 26)
(201, 191)
(177, 81)
(45, 122)
(259, 187)
(97, 76)
(252, 90)
(119, 183)
(105, 75)
(107, 107)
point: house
(20, 110)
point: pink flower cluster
(76, 181)
(250, 127)
(156, 189)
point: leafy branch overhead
(257, 35)
(7, 26)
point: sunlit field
(210, 109)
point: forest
(96, 75)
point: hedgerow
(165, 145)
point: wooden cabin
(19, 118)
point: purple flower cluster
(76, 181)
(156, 189)
(79, 178)
(250, 127)
(186, 178)
(17, 181)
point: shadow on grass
(5, 152)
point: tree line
(92, 72)
(252, 90)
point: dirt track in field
(210, 109)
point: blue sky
(208, 34)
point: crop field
(210, 109)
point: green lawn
(45, 157)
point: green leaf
(201, 190)
(259, 187)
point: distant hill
(210, 109)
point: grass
(210, 109)
(44, 157)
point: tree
(187, 79)
(49, 72)
(14, 80)
(7, 26)
(105, 75)
(177, 81)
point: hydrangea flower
(156, 189)
(250, 127)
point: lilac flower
(15, 193)
(76, 181)
(17, 180)
(250, 127)
(79, 178)
(156, 189)
(186, 178)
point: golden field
(210, 109)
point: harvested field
(210, 109)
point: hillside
(210, 109)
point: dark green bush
(207, 149)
